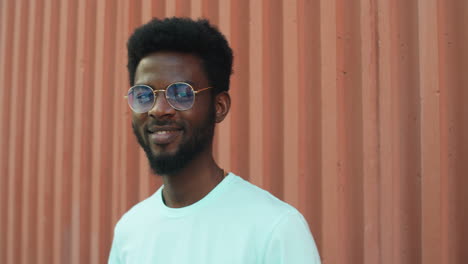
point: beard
(170, 164)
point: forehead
(162, 68)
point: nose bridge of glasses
(156, 91)
(156, 105)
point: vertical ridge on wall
(329, 146)
(4, 113)
(405, 45)
(453, 83)
(353, 112)
(16, 127)
(272, 56)
(46, 138)
(431, 229)
(290, 102)
(239, 154)
(132, 152)
(77, 142)
(386, 140)
(28, 245)
(102, 120)
(255, 93)
(88, 141)
(370, 136)
(444, 160)
(62, 180)
(223, 133)
(309, 110)
(349, 126)
(98, 122)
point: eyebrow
(189, 82)
(185, 81)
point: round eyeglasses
(180, 95)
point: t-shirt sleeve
(291, 242)
(114, 252)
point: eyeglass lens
(140, 98)
(180, 96)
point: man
(179, 75)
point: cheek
(204, 107)
(201, 119)
(200, 116)
(138, 118)
(137, 122)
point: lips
(163, 135)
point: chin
(169, 163)
(162, 152)
(171, 149)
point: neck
(193, 182)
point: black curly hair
(188, 36)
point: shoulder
(291, 239)
(258, 202)
(281, 231)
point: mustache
(166, 122)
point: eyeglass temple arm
(201, 90)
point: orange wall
(356, 112)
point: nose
(161, 107)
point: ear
(222, 106)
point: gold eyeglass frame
(155, 92)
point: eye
(143, 97)
(182, 94)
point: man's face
(172, 138)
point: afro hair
(187, 36)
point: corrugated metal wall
(356, 112)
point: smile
(163, 136)
(165, 132)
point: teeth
(163, 132)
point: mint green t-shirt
(237, 222)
